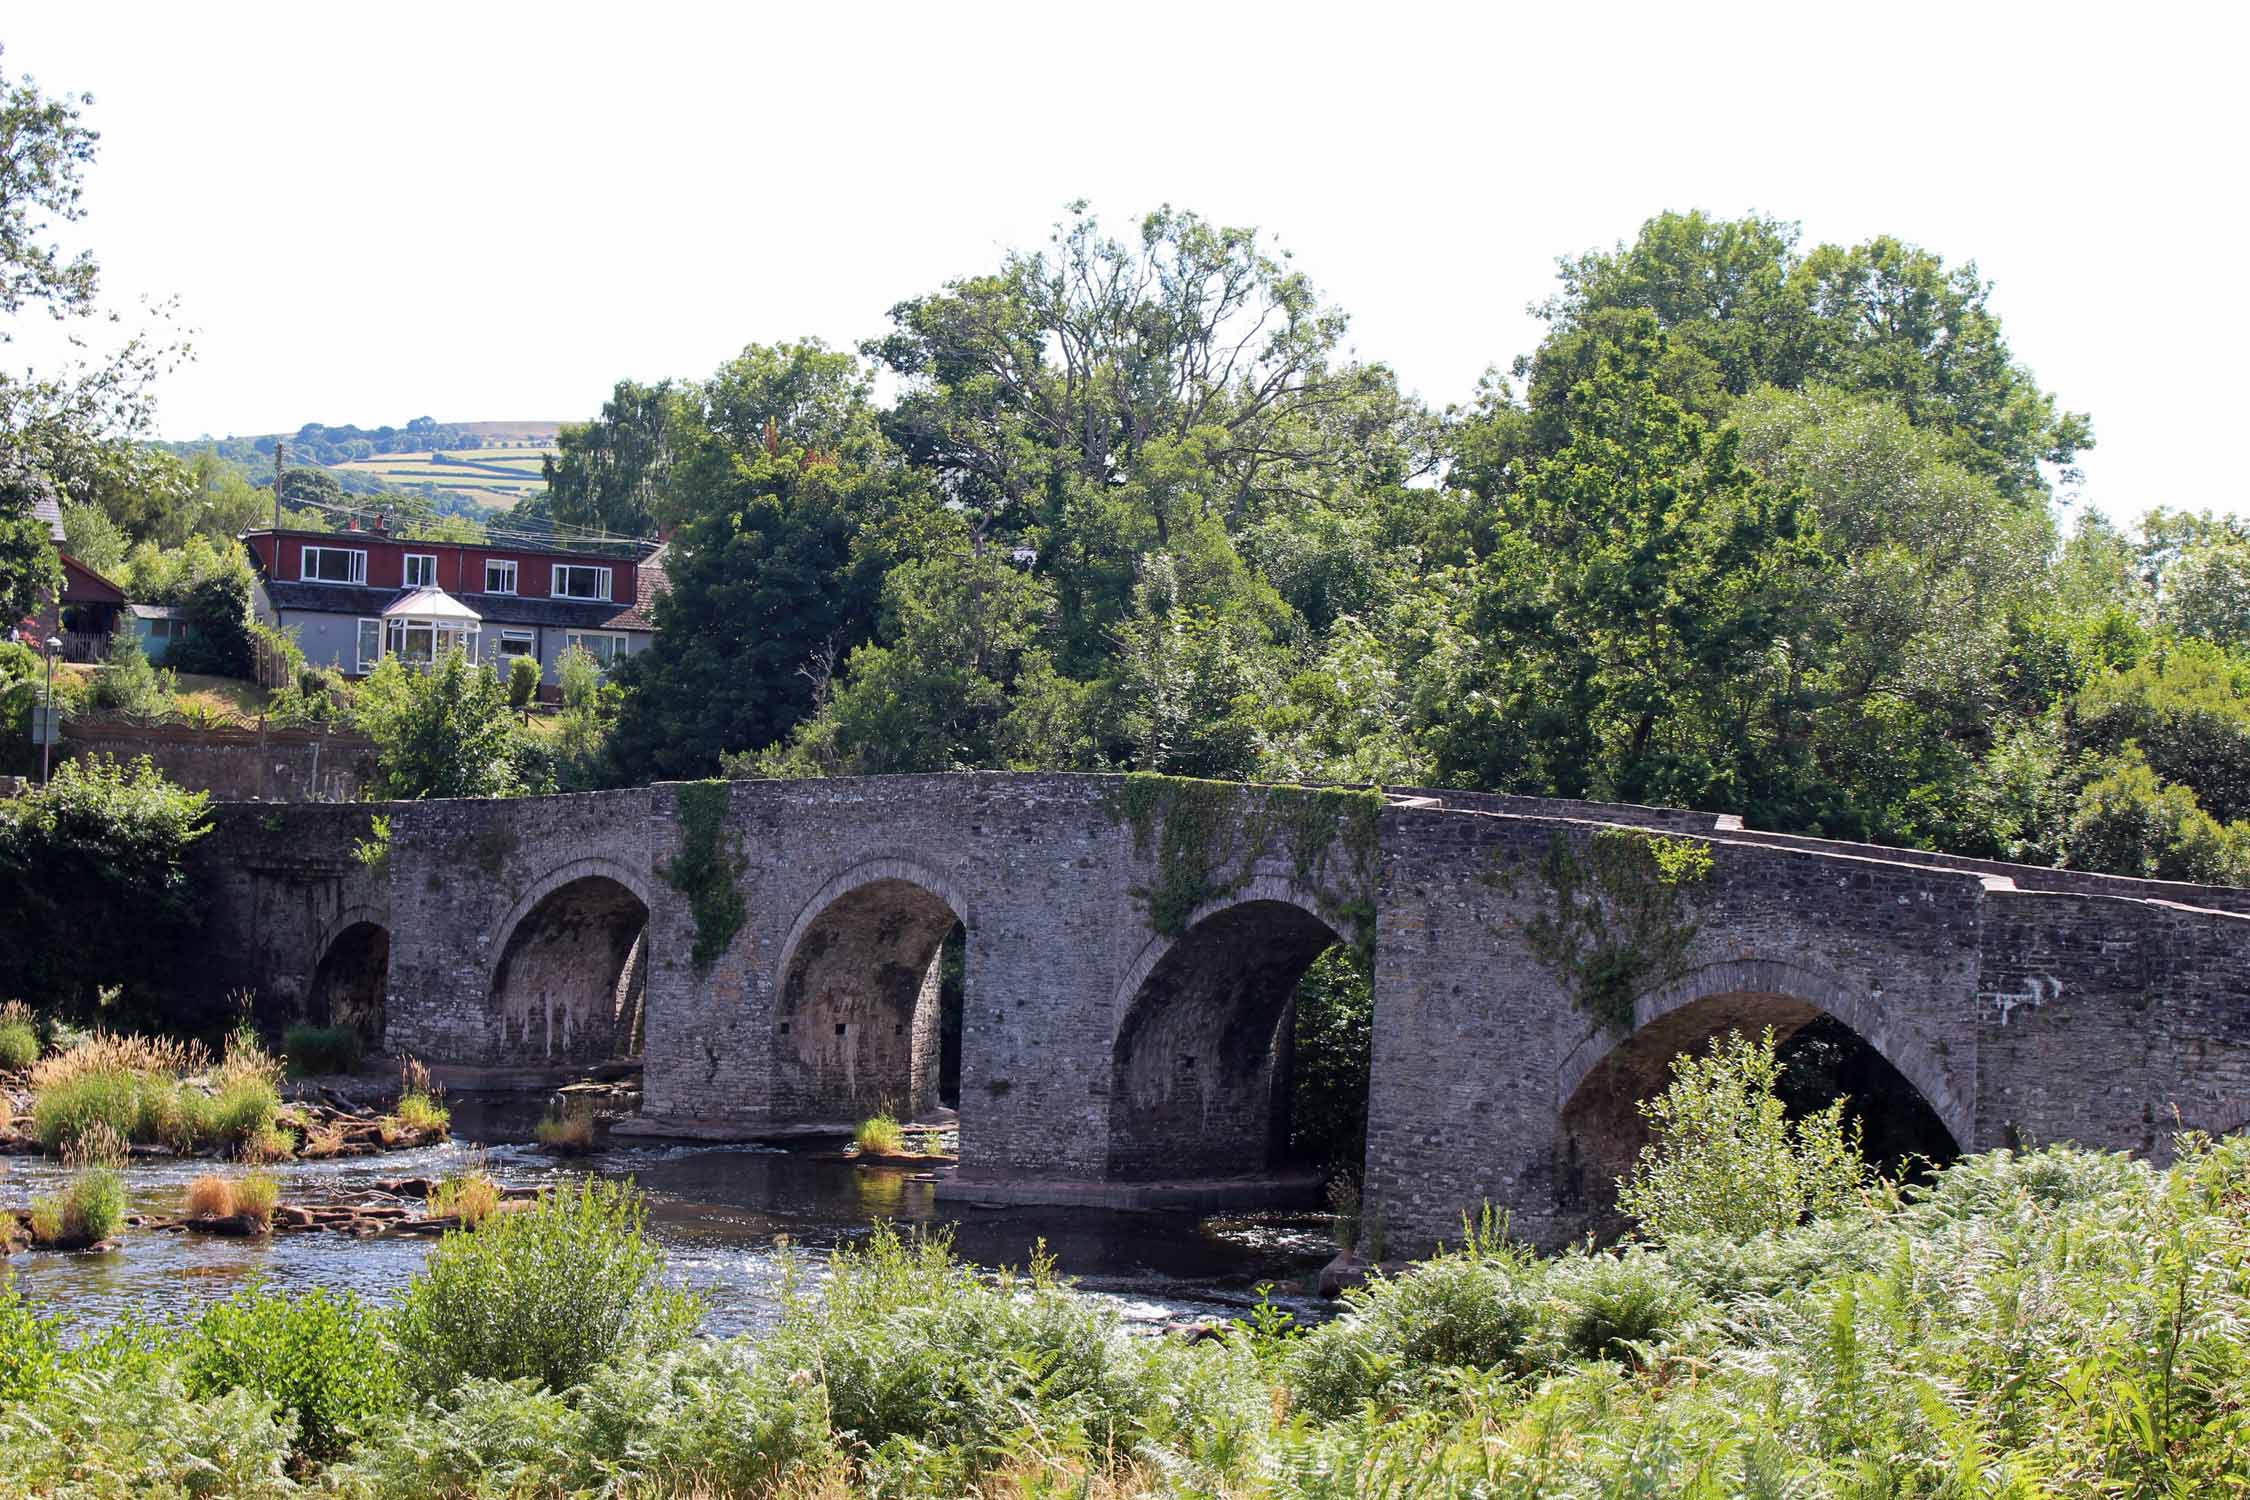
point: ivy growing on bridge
(1616, 921)
(1208, 837)
(706, 872)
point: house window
(605, 649)
(421, 570)
(573, 581)
(516, 642)
(419, 643)
(162, 629)
(499, 576)
(370, 645)
(333, 565)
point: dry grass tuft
(107, 1052)
(569, 1130)
(211, 1196)
(216, 1196)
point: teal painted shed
(157, 626)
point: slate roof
(495, 609)
(47, 508)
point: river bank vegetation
(2049, 1323)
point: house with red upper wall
(355, 597)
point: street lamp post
(47, 726)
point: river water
(721, 1212)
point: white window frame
(358, 568)
(616, 638)
(499, 562)
(528, 639)
(368, 663)
(605, 580)
(406, 570)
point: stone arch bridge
(1130, 946)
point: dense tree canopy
(1767, 528)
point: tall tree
(75, 424)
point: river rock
(238, 1226)
(1341, 1274)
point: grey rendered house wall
(333, 640)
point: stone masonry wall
(1089, 1039)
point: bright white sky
(479, 211)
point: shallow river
(718, 1210)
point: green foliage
(930, 1372)
(374, 851)
(1615, 922)
(90, 1208)
(549, 1292)
(446, 732)
(706, 872)
(127, 682)
(323, 1049)
(1725, 1159)
(2128, 822)
(31, 1346)
(711, 1419)
(319, 1356)
(523, 682)
(1208, 837)
(1330, 1059)
(879, 1135)
(29, 571)
(1473, 1309)
(120, 1432)
(19, 1041)
(101, 843)
(115, 1099)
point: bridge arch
(1603, 1080)
(566, 981)
(1200, 1063)
(351, 973)
(858, 1017)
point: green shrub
(321, 1356)
(323, 1049)
(879, 1135)
(63, 1113)
(90, 1208)
(19, 1043)
(547, 1292)
(1601, 1306)
(921, 1357)
(31, 1345)
(1469, 1309)
(100, 842)
(127, 1431)
(1724, 1157)
(421, 1113)
(244, 1110)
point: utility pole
(47, 712)
(280, 448)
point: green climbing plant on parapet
(1208, 837)
(1615, 919)
(706, 871)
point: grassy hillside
(495, 475)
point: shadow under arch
(1603, 1081)
(858, 1015)
(351, 975)
(1200, 1068)
(568, 981)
